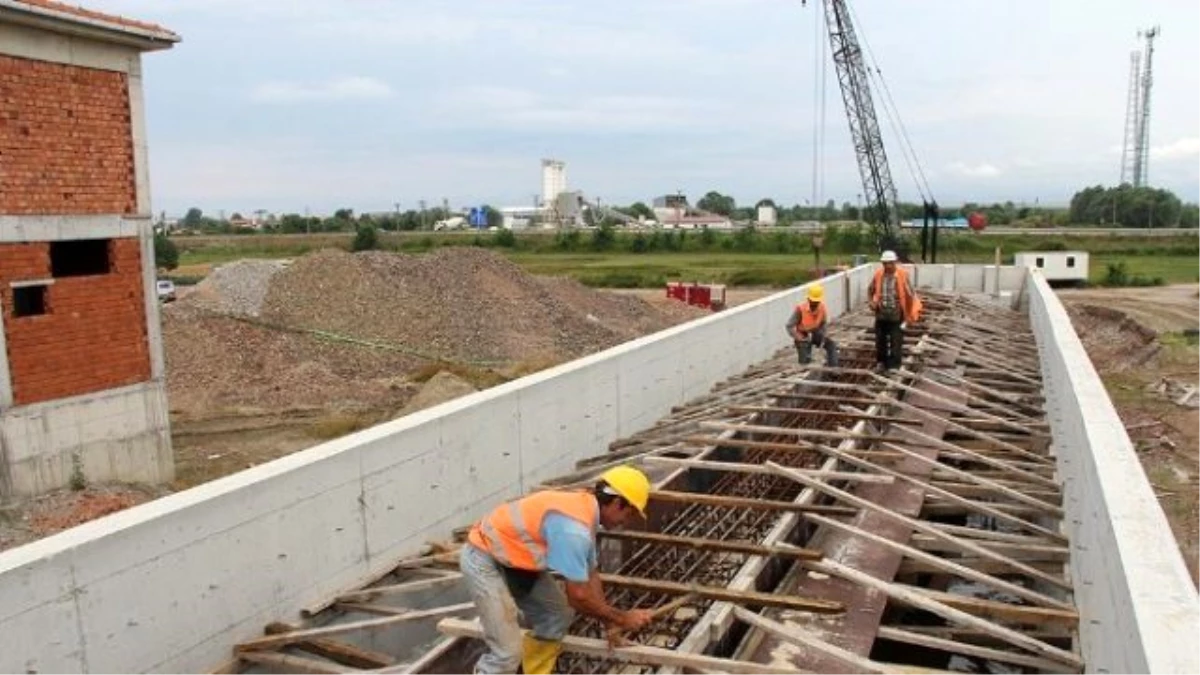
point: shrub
(366, 239)
(166, 253)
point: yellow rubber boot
(538, 657)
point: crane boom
(879, 191)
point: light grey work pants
(544, 609)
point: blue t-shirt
(571, 549)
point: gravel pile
(237, 288)
(458, 304)
(465, 304)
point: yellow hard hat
(630, 484)
(816, 292)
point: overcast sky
(288, 104)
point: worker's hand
(903, 325)
(635, 619)
(873, 305)
(802, 337)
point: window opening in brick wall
(79, 258)
(29, 301)
(1070, 261)
(1040, 262)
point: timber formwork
(804, 519)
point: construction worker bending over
(895, 305)
(511, 553)
(807, 327)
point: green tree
(166, 253)
(1126, 206)
(193, 219)
(715, 202)
(604, 237)
(366, 239)
(640, 210)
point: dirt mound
(444, 386)
(461, 304)
(1114, 341)
(217, 363)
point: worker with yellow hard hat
(514, 553)
(807, 327)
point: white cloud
(513, 108)
(1182, 148)
(354, 87)
(984, 170)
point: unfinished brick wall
(92, 335)
(66, 142)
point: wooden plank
(826, 397)
(990, 460)
(853, 477)
(997, 442)
(655, 656)
(371, 608)
(748, 598)
(801, 638)
(276, 641)
(824, 413)
(946, 565)
(979, 507)
(916, 524)
(711, 544)
(1044, 507)
(951, 647)
(406, 587)
(749, 503)
(344, 653)
(427, 659)
(1001, 611)
(951, 614)
(230, 667)
(979, 565)
(793, 431)
(945, 401)
(295, 664)
(853, 631)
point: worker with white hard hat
(807, 327)
(514, 553)
(895, 305)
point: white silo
(554, 180)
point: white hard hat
(888, 256)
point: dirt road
(1136, 339)
(1163, 309)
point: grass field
(1173, 260)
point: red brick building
(82, 386)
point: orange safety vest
(810, 319)
(512, 533)
(910, 304)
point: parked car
(166, 290)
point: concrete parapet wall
(1139, 610)
(173, 584)
(114, 435)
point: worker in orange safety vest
(513, 553)
(807, 327)
(895, 306)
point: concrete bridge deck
(979, 420)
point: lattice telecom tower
(1135, 153)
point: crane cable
(893, 114)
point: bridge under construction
(979, 508)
